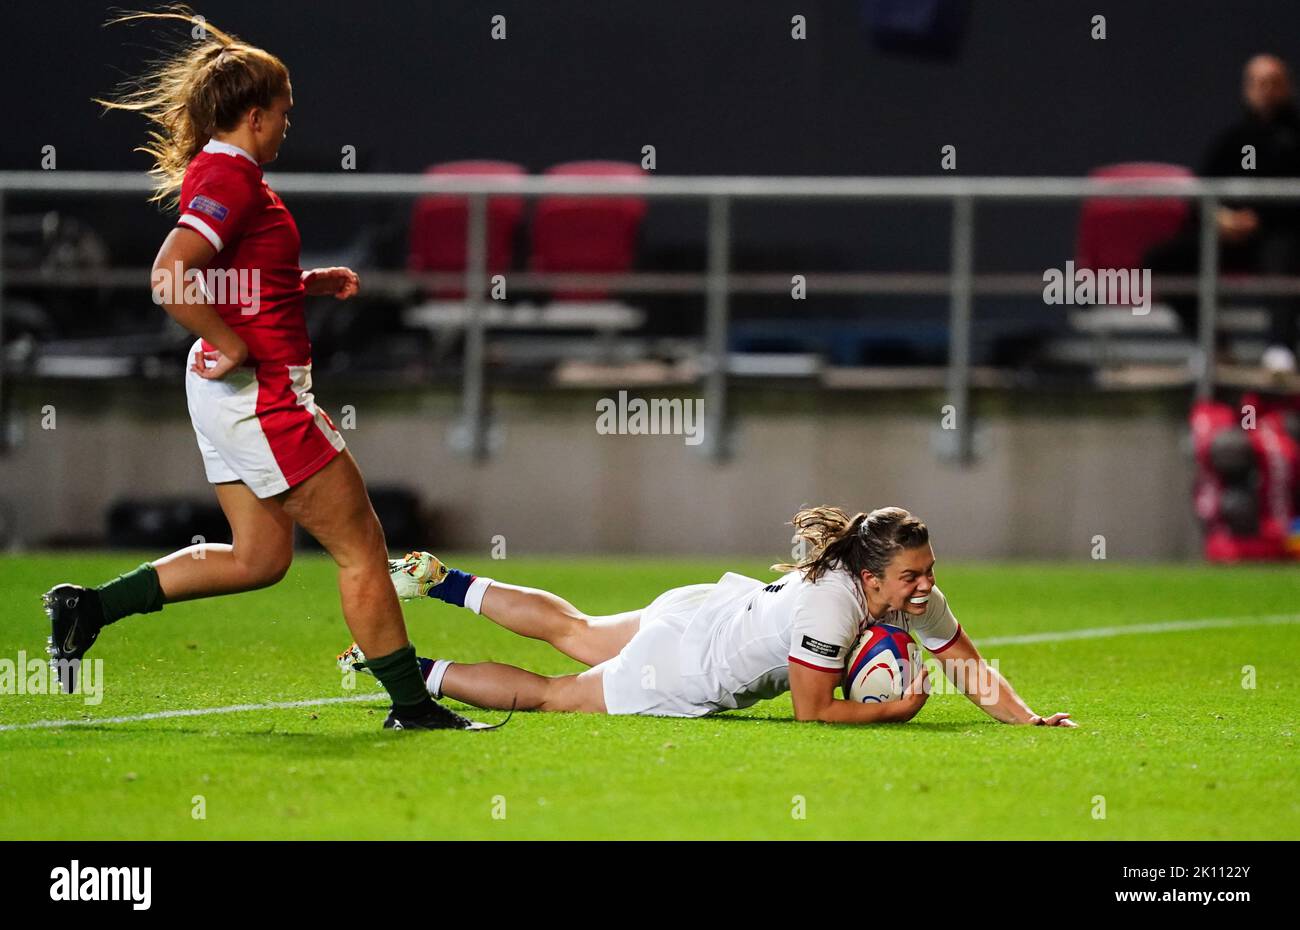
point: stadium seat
(439, 221)
(1117, 233)
(587, 234)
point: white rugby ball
(881, 664)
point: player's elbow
(169, 261)
(809, 712)
(902, 714)
(167, 280)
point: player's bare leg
(333, 506)
(542, 615)
(260, 554)
(499, 687)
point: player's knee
(557, 695)
(277, 569)
(357, 545)
(569, 693)
(575, 640)
(364, 542)
(266, 568)
(374, 535)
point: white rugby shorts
(260, 425)
(646, 676)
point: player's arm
(183, 253)
(986, 687)
(813, 691)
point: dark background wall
(718, 87)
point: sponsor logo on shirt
(209, 206)
(821, 648)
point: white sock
(474, 594)
(434, 681)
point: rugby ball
(881, 664)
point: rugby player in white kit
(706, 648)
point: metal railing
(719, 282)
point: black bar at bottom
(735, 882)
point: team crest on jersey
(209, 206)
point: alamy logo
(37, 675)
(639, 417)
(1111, 287)
(78, 883)
(241, 287)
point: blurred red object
(1116, 233)
(1266, 425)
(587, 234)
(439, 223)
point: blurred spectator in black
(1261, 236)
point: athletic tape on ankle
(434, 681)
(474, 596)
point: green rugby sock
(135, 592)
(399, 673)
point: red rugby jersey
(225, 199)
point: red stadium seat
(1118, 233)
(587, 234)
(439, 221)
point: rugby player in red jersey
(220, 110)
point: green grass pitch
(1168, 736)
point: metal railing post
(715, 328)
(473, 416)
(1207, 285)
(959, 327)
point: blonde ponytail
(193, 93)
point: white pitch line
(1168, 626)
(191, 712)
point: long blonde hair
(193, 92)
(864, 541)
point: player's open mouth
(919, 599)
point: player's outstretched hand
(223, 366)
(1056, 720)
(914, 696)
(338, 282)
